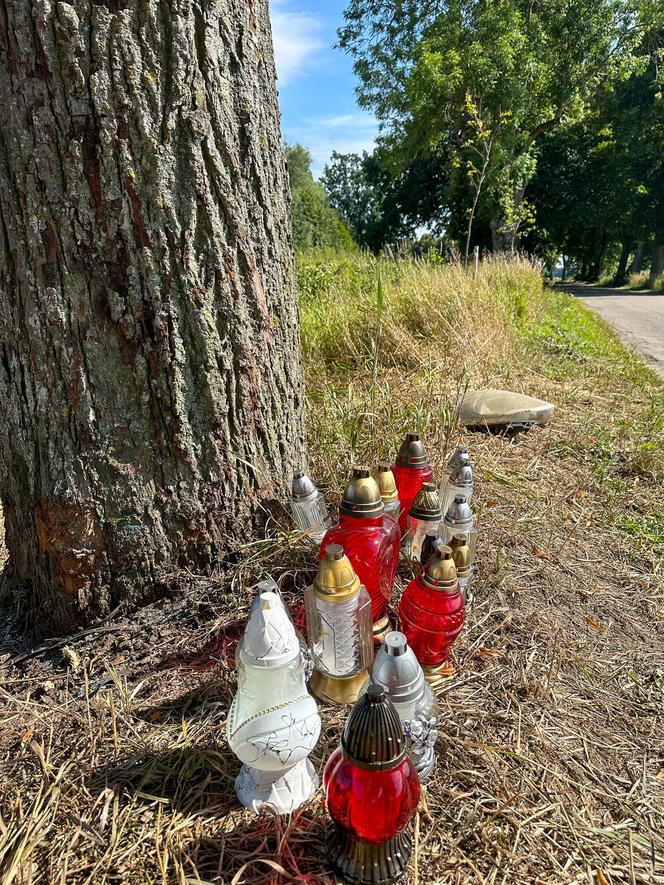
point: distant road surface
(637, 317)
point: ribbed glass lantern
(424, 514)
(458, 522)
(398, 671)
(273, 723)
(410, 471)
(460, 482)
(432, 613)
(372, 790)
(309, 508)
(339, 629)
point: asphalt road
(637, 317)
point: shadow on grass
(263, 850)
(191, 779)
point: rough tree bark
(150, 374)
(637, 261)
(657, 266)
(621, 272)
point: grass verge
(113, 763)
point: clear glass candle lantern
(370, 540)
(372, 790)
(273, 723)
(388, 490)
(432, 613)
(460, 482)
(339, 629)
(398, 671)
(309, 508)
(451, 465)
(411, 469)
(424, 514)
(458, 522)
(462, 560)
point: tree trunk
(637, 261)
(621, 273)
(657, 266)
(149, 349)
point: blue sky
(316, 82)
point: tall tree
(527, 66)
(316, 224)
(149, 355)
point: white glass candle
(273, 723)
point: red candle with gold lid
(432, 612)
(410, 471)
(370, 540)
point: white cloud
(344, 133)
(296, 38)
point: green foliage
(600, 181)
(380, 204)
(315, 222)
(484, 81)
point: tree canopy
(315, 222)
(471, 96)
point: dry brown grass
(113, 763)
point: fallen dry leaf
(541, 554)
(489, 652)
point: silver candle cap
(455, 460)
(398, 671)
(302, 487)
(459, 515)
(462, 474)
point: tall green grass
(424, 308)
(390, 344)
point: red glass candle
(372, 790)
(410, 471)
(370, 540)
(432, 612)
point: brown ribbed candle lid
(427, 504)
(373, 735)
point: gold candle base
(437, 674)
(380, 629)
(337, 690)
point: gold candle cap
(461, 555)
(386, 483)
(441, 573)
(362, 495)
(336, 579)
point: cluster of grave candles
(371, 781)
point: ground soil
(113, 760)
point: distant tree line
(510, 124)
(315, 223)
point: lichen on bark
(149, 346)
